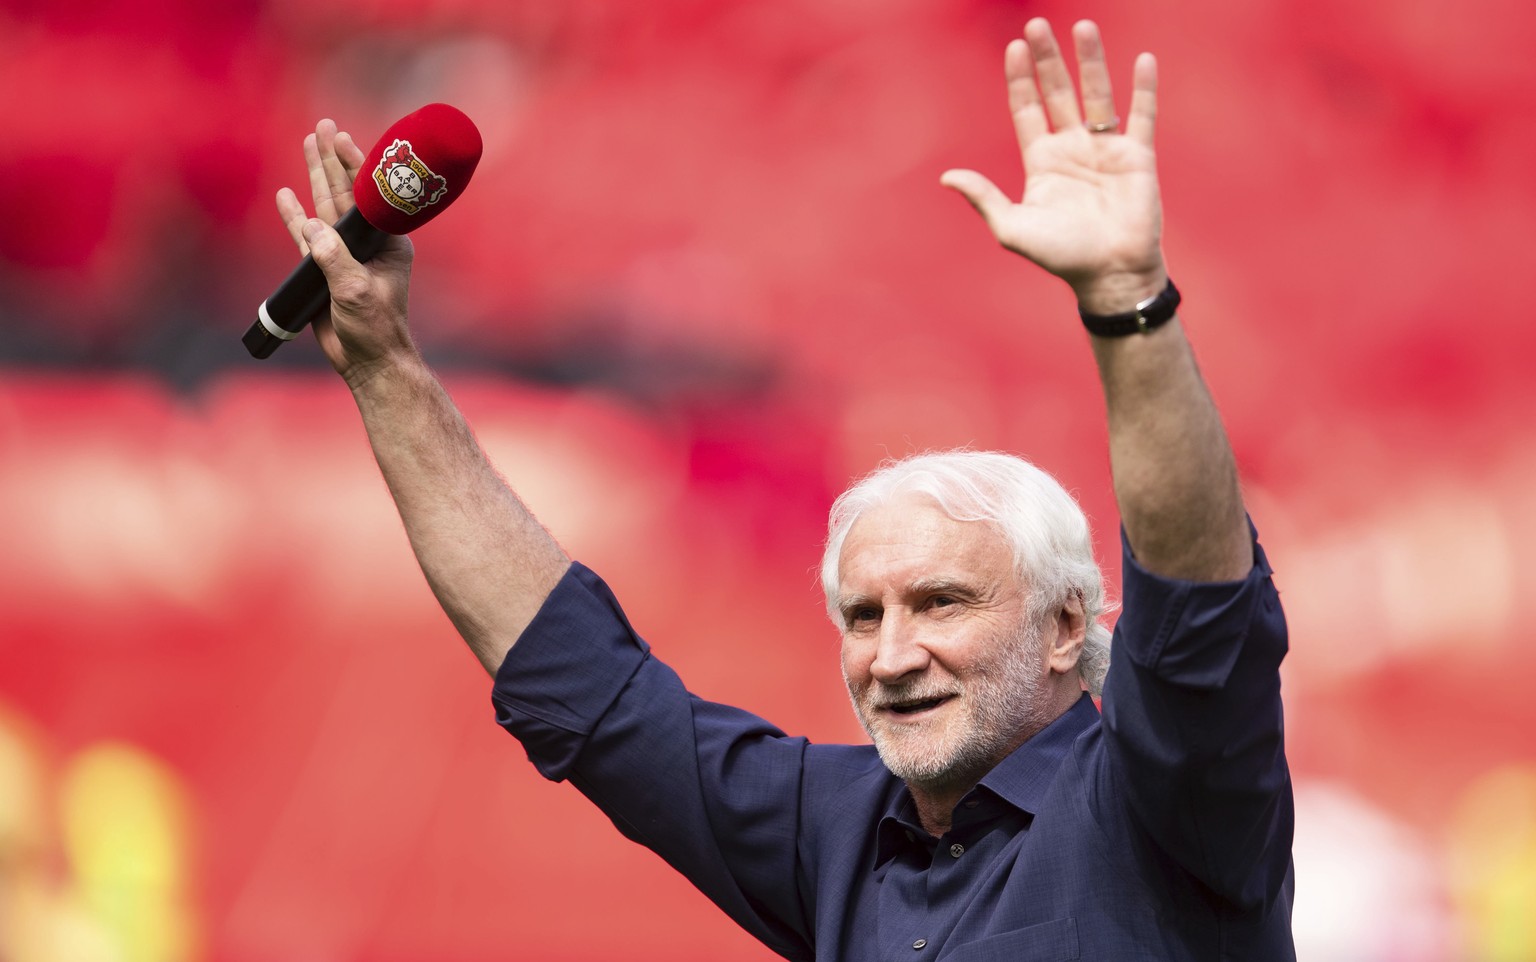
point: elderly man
(998, 814)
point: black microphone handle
(303, 297)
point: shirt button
(956, 850)
(919, 943)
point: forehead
(910, 538)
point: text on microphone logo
(405, 182)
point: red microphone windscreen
(417, 168)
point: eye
(863, 615)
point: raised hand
(367, 322)
(490, 563)
(1091, 212)
(333, 160)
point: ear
(1071, 629)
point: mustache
(880, 695)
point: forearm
(1174, 474)
(488, 560)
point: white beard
(998, 706)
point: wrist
(1147, 316)
(385, 373)
(1119, 292)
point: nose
(899, 651)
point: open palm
(1091, 212)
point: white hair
(1043, 524)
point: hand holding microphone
(420, 166)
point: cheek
(855, 668)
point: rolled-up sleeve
(571, 663)
(713, 790)
(1195, 728)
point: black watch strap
(1150, 314)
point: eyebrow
(943, 586)
(922, 586)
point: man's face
(943, 669)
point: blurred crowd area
(704, 277)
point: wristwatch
(1150, 314)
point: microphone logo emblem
(405, 182)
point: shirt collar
(1022, 780)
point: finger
(292, 213)
(336, 177)
(327, 175)
(319, 190)
(1024, 103)
(1140, 124)
(1052, 75)
(990, 202)
(1093, 75)
(346, 278)
(350, 154)
(338, 186)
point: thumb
(989, 201)
(346, 278)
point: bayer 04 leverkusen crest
(405, 182)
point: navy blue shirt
(1159, 830)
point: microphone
(420, 166)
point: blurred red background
(704, 277)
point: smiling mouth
(917, 707)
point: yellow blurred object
(42, 922)
(1493, 859)
(22, 830)
(124, 821)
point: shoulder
(844, 763)
(847, 784)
